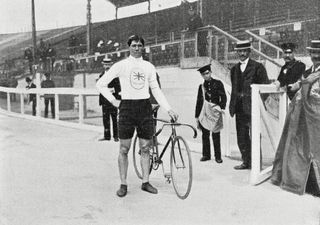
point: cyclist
(136, 76)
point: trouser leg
(205, 142)
(34, 105)
(46, 105)
(106, 122)
(53, 113)
(243, 136)
(216, 145)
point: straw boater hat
(288, 47)
(315, 46)
(106, 61)
(241, 45)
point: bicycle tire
(181, 167)
(136, 158)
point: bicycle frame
(173, 125)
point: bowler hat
(315, 45)
(241, 45)
(205, 68)
(288, 47)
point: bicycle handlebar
(172, 123)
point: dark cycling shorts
(135, 114)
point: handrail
(59, 91)
(263, 40)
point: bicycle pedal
(167, 175)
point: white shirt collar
(133, 58)
(245, 61)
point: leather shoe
(104, 139)
(243, 166)
(149, 188)
(219, 160)
(204, 158)
(122, 191)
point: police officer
(291, 71)
(108, 110)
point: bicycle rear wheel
(181, 167)
(137, 155)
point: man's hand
(174, 116)
(116, 103)
(294, 87)
(277, 84)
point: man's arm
(102, 84)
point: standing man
(109, 110)
(32, 97)
(195, 22)
(136, 76)
(292, 70)
(243, 74)
(48, 83)
(214, 93)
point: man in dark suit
(48, 83)
(32, 97)
(243, 74)
(214, 93)
(195, 22)
(108, 110)
(291, 71)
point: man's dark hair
(135, 38)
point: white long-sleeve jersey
(136, 77)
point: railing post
(216, 47)
(56, 106)
(255, 134)
(182, 45)
(196, 44)
(81, 113)
(259, 47)
(8, 102)
(21, 103)
(226, 48)
(210, 44)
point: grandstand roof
(123, 3)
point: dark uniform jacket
(255, 73)
(115, 84)
(214, 93)
(48, 84)
(290, 73)
(32, 96)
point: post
(88, 27)
(255, 134)
(84, 97)
(56, 106)
(182, 45)
(210, 43)
(259, 50)
(81, 108)
(21, 103)
(196, 44)
(38, 84)
(216, 47)
(8, 102)
(226, 46)
(34, 37)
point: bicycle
(180, 158)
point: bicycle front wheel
(181, 167)
(137, 157)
